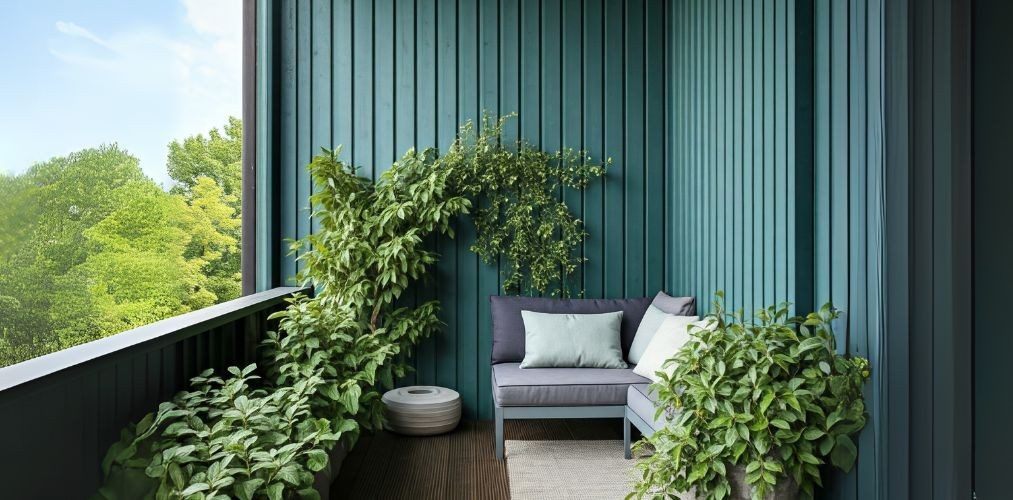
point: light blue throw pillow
(572, 340)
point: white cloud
(71, 29)
(217, 18)
(156, 86)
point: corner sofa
(527, 393)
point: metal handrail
(51, 368)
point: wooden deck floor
(461, 464)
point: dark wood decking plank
(373, 473)
(463, 455)
(461, 464)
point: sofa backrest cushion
(508, 327)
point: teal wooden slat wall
(734, 161)
(381, 77)
(777, 182)
(746, 134)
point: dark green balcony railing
(59, 413)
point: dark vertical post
(248, 257)
(804, 158)
(895, 465)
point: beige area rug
(568, 469)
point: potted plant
(756, 408)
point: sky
(75, 75)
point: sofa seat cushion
(641, 401)
(514, 386)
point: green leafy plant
(224, 439)
(772, 397)
(337, 349)
(371, 245)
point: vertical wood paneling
(380, 77)
(763, 191)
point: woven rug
(568, 469)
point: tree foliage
(89, 246)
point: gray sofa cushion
(514, 386)
(641, 401)
(508, 327)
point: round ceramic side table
(422, 410)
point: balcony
(780, 151)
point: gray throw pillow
(653, 319)
(679, 306)
(572, 340)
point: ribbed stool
(422, 410)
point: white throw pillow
(649, 325)
(670, 337)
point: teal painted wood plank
(384, 81)
(791, 187)
(721, 142)
(488, 274)
(469, 362)
(769, 166)
(591, 26)
(529, 72)
(361, 147)
(738, 162)
(342, 57)
(404, 77)
(843, 486)
(267, 247)
(839, 248)
(748, 153)
(674, 130)
(404, 111)
(700, 106)
(288, 143)
(543, 71)
(633, 140)
(568, 22)
(780, 100)
(856, 165)
(759, 134)
(877, 471)
(858, 221)
(304, 116)
(320, 87)
(320, 83)
(510, 64)
(615, 181)
(726, 186)
(821, 165)
(426, 136)
(446, 131)
(655, 158)
(707, 223)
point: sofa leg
(628, 452)
(499, 432)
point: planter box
(785, 489)
(327, 476)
